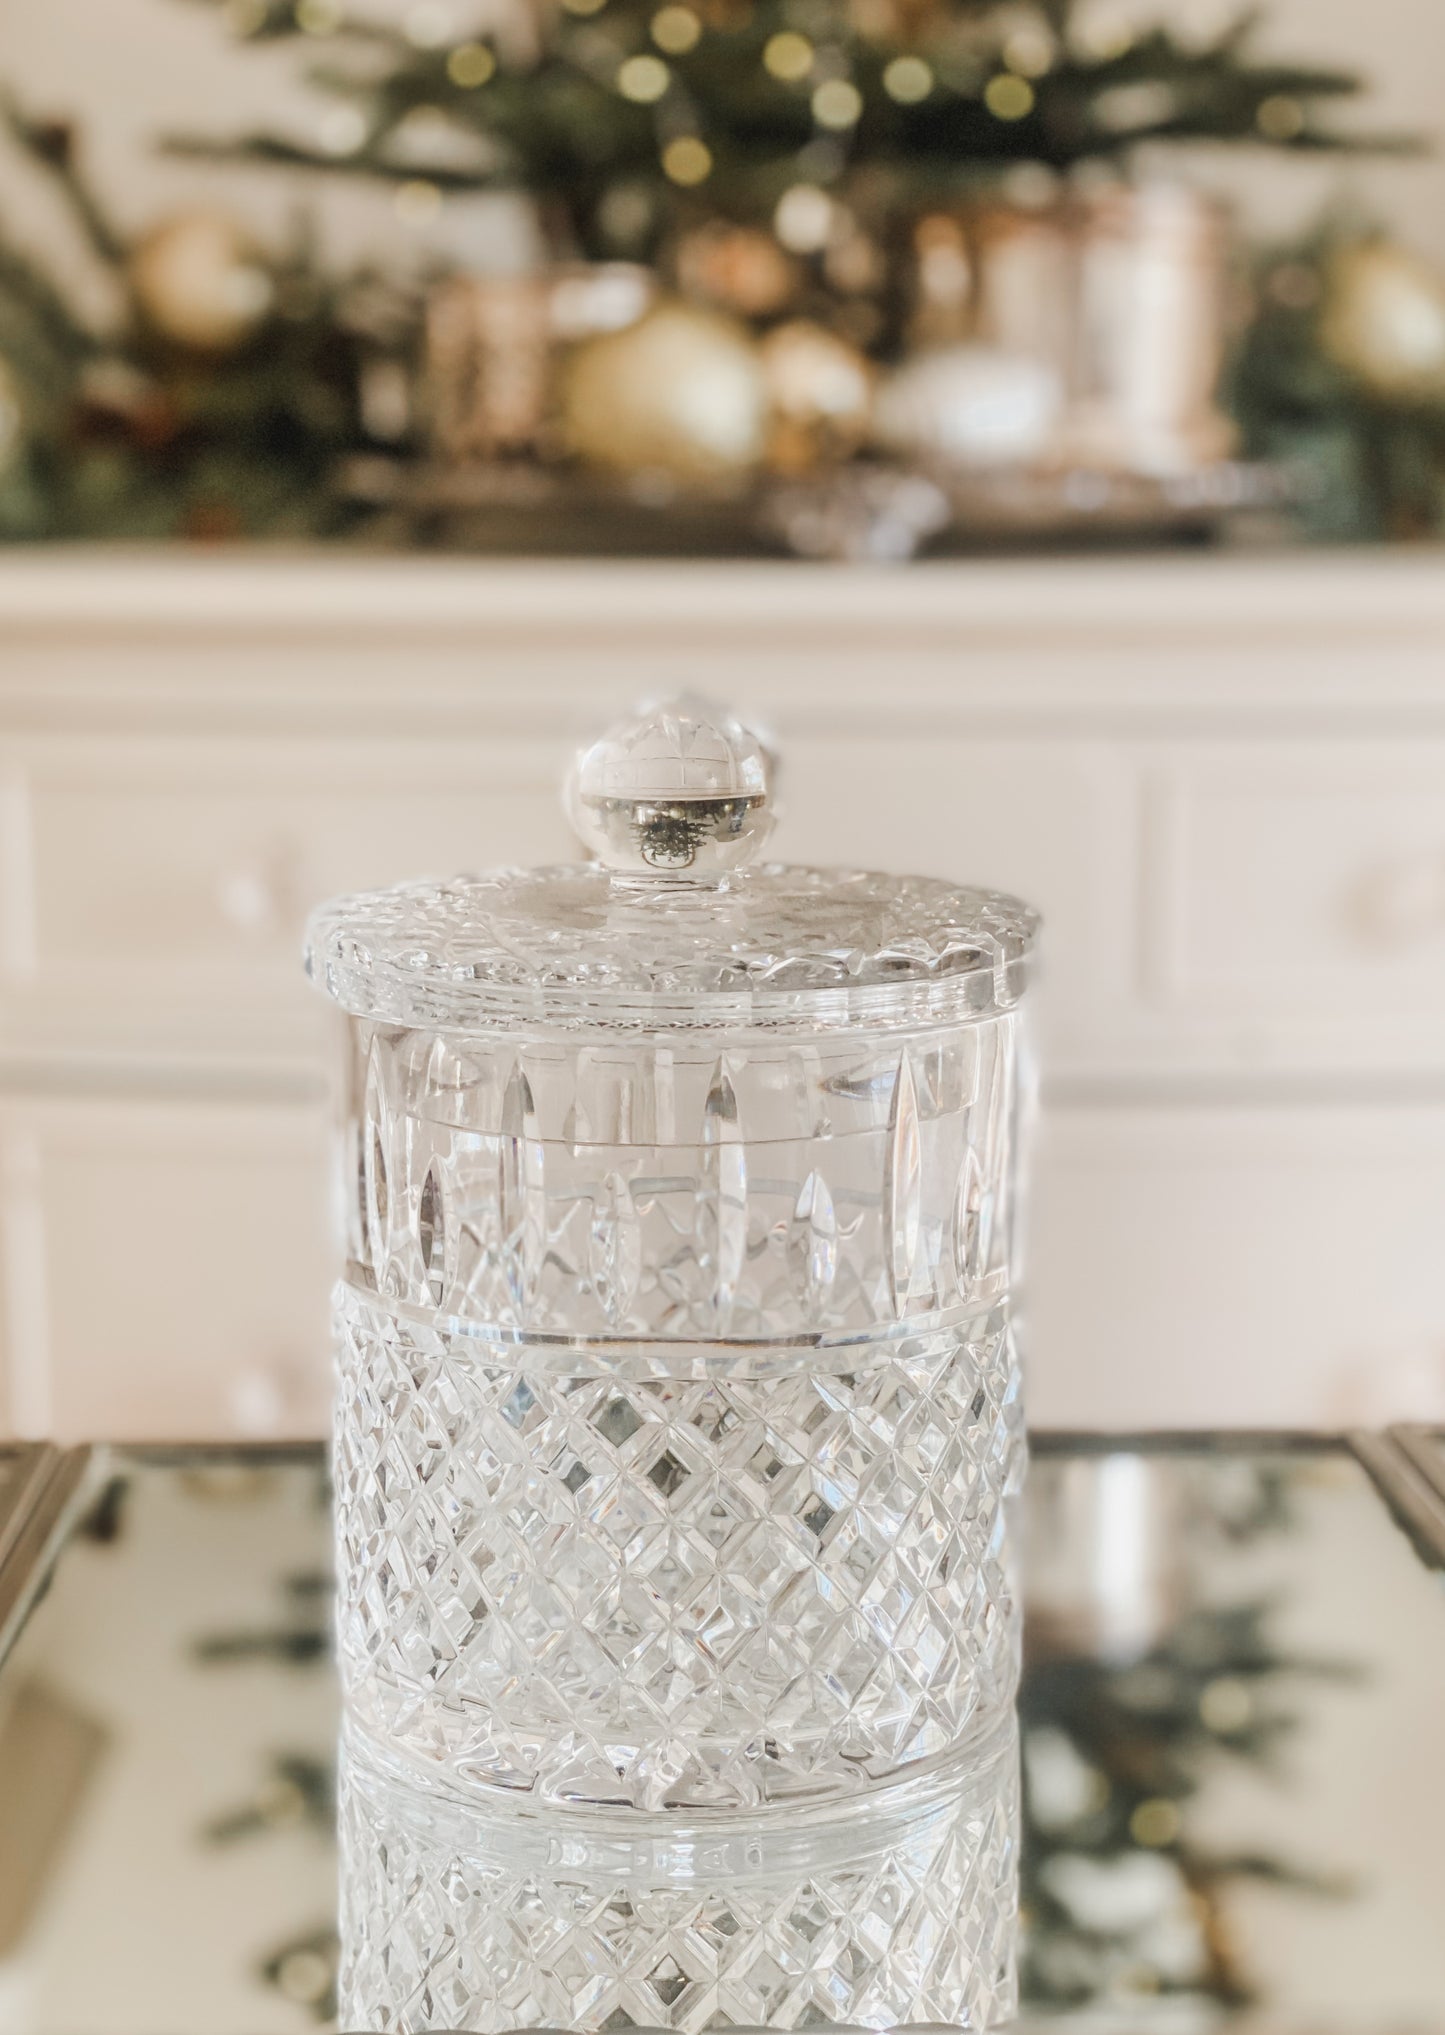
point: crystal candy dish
(673, 1592)
(678, 1415)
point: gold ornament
(1384, 320)
(200, 283)
(493, 344)
(679, 393)
(820, 393)
(738, 267)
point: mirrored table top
(1233, 1717)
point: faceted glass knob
(678, 789)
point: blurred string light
(1029, 51)
(1155, 1823)
(788, 56)
(909, 80)
(1147, 104)
(643, 79)
(837, 104)
(471, 64)
(1105, 38)
(804, 219)
(1280, 118)
(687, 160)
(1008, 97)
(676, 30)
(1226, 1705)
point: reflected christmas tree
(1140, 1692)
(1144, 1682)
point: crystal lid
(672, 926)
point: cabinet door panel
(153, 893)
(1053, 821)
(1295, 902)
(165, 1268)
(1231, 1266)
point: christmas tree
(631, 121)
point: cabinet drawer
(1237, 1266)
(165, 1266)
(155, 892)
(1295, 900)
(1052, 820)
(1210, 908)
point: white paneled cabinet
(1223, 779)
(1238, 1264)
(173, 872)
(165, 1265)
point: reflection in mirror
(464, 1916)
(183, 1638)
(1234, 1781)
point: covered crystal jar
(678, 1410)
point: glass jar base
(670, 1593)
(897, 1910)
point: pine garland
(1370, 463)
(629, 123)
(123, 434)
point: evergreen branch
(1210, 1867)
(366, 162)
(25, 288)
(296, 1648)
(278, 22)
(1057, 15)
(1240, 32)
(49, 144)
(558, 128)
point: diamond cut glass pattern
(678, 1426)
(452, 1918)
(681, 1591)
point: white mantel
(1205, 634)
(1222, 775)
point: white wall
(1399, 45)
